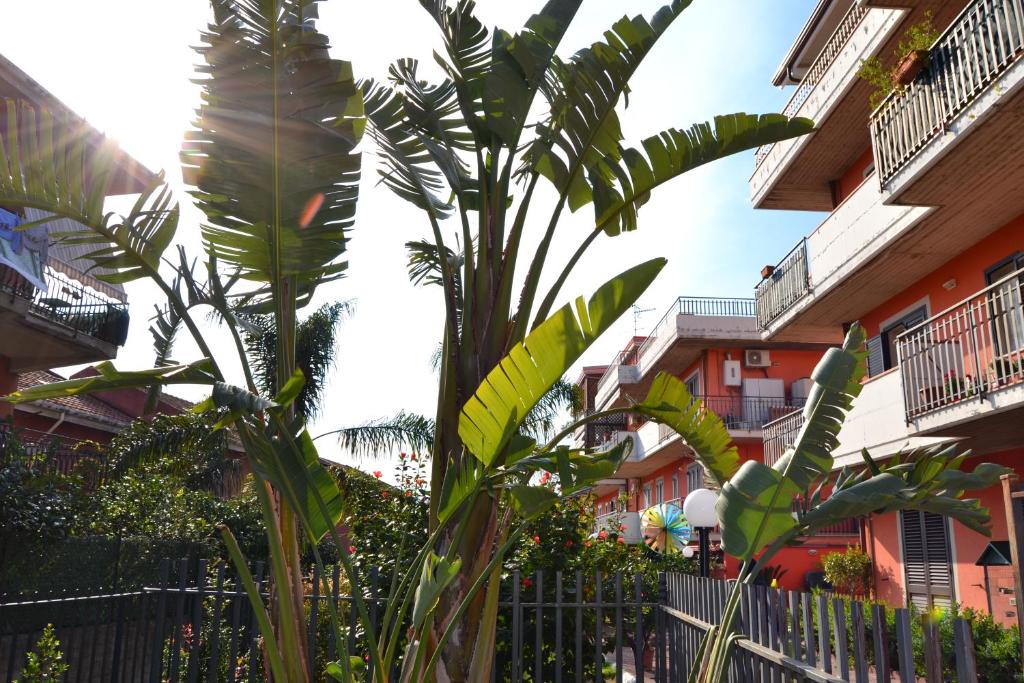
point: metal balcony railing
(71, 304)
(788, 283)
(847, 27)
(748, 412)
(966, 352)
(779, 434)
(982, 43)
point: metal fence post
(659, 628)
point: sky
(125, 65)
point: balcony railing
(847, 27)
(778, 435)
(966, 352)
(71, 304)
(788, 283)
(748, 412)
(603, 431)
(982, 43)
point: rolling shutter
(927, 559)
(876, 357)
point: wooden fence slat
(806, 609)
(860, 661)
(932, 653)
(963, 647)
(878, 626)
(842, 647)
(905, 646)
(824, 634)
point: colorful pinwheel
(665, 529)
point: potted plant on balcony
(910, 58)
(1005, 369)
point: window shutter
(926, 559)
(876, 359)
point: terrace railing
(748, 412)
(847, 27)
(980, 45)
(966, 352)
(780, 434)
(788, 282)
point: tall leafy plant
(273, 167)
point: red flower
(527, 583)
(621, 540)
(384, 494)
(622, 527)
(568, 544)
(412, 457)
(545, 478)
(402, 456)
(351, 550)
(536, 540)
(408, 494)
(603, 535)
(587, 543)
(377, 473)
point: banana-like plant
(274, 169)
(761, 509)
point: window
(659, 489)
(927, 559)
(882, 352)
(675, 486)
(1006, 311)
(693, 384)
(869, 169)
(694, 478)
(611, 506)
(647, 496)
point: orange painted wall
(967, 546)
(798, 561)
(854, 176)
(968, 268)
(787, 364)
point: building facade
(922, 242)
(715, 347)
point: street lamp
(699, 510)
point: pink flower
(545, 478)
(603, 535)
(536, 540)
(622, 527)
(384, 495)
(377, 473)
(621, 540)
(351, 550)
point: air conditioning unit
(756, 358)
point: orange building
(715, 347)
(923, 244)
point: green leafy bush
(849, 572)
(45, 663)
(919, 36)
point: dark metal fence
(198, 625)
(787, 283)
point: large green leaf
(437, 574)
(669, 402)
(511, 390)
(47, 163)
(623, 182)
(274, 138)
(110, 378)
(583, 94)
(532, 501)
(755, 506)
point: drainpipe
(55, 425)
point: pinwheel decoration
(665, 529)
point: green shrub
(44, 664)
(849, 572)
(919, 36)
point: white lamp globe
(699, 508)
(688, 552)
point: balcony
(52, 319)
(676, 341)
(963, 370)
(834, 275)
(970, 90)
(796, 174)
(779, 434)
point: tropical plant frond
(271, 156)
(564, 397)
(622, 182)
(924, 479)
(432, 109)
(166, 324)
(425, 263)
(669, 402)
(108, 378)
(510, 391)
(409, 169)
(468, 47)
(756, 505)
(386, 435)
(583, 93)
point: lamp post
(699, 510)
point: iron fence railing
(54, 452)
(847, 27)
(748, 412)
(71, 304)
(787, 283)
(967, 351)
(980, 45)
(779, 434)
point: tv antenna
(637, 312)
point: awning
(21, 251)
